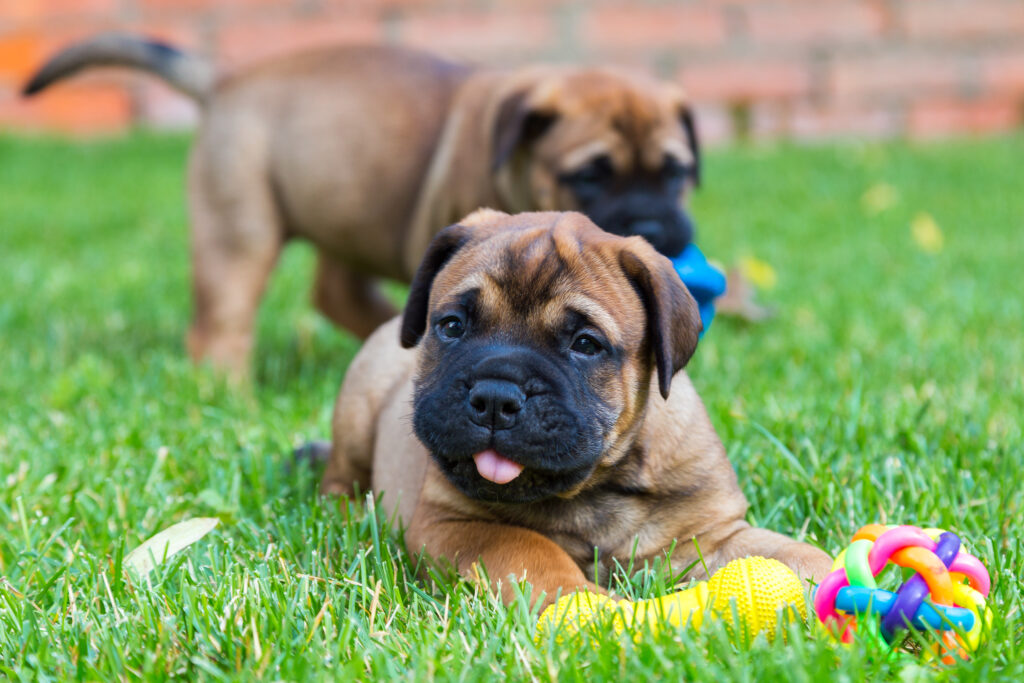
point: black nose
(495, 403)
(647, 228)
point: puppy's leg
(313, 453)
(350, 460)
(369, 380)
(742, 540)
(350, 300)
(345, 472)
(235, 244)
(504, 551)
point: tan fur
(367, 152)
(663, 477)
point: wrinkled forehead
(540, 283)
(634, 122)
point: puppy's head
(622, 149)
(539, 335)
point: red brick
(905, 75)
(179, 33)
(861, 77)
(479, 34)
(243, 43)
(714, 124)
(23, 52)
(158, 106)
(20, 54)
(420, 5)
(813, 23)
(109, 91)
(746, 80)
(1004, 73)
(193, 6)
(632, 61)
(766, 120)
(961, 19)
(32, 10)
(183, 5)
(938, 117)
(654, 26)
(813, 122)
(77, 108)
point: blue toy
(705, 282)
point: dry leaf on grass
(167, 543)
(878, 198)
(759, 273)
(927, 233)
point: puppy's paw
(740, 300)
(314, 454)
(810, 564)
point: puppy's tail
(185, 72)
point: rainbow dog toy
(752, 590)
(851, 595)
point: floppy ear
(690, 128)
(441, 249)
(673, 319)
(517, 124)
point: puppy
(529, 411)
(367, 152)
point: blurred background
(801, 69)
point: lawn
(889, 387)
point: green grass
(889, 388)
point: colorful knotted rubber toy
(749, 593)
(936, 597)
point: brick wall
(761, 68)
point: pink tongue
(496, 468)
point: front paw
(810, 564)
(312, 454)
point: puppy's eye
(586, 345)
(451, 327)
(674, 169)
(594, 173)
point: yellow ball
(575, 611)
(759, 588)
(674, 610)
